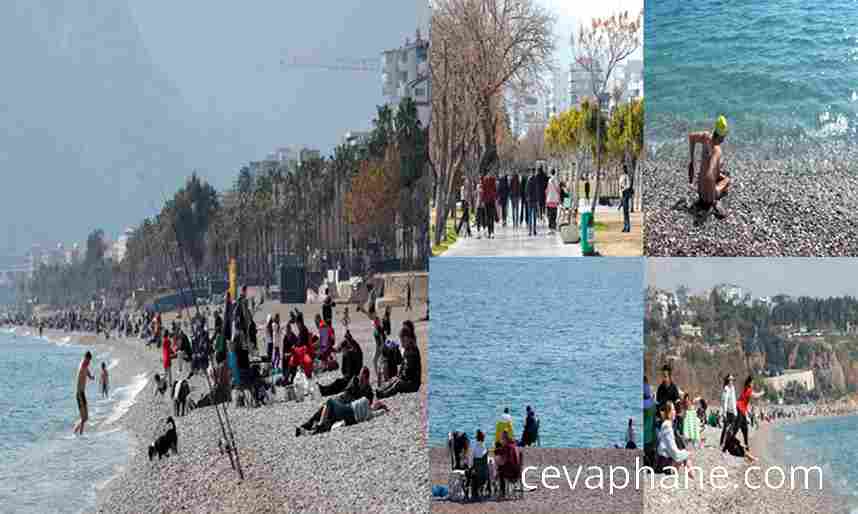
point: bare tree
(601, 47)
(505, 44)
(454, 124)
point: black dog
(163, 444)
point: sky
(106, 106)
(570, 16)
(759, 276)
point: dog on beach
(166, 442)
(181, 403)
(160, 385)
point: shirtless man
(82, 374)
(712, 184)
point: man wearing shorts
(82, 374)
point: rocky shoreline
(378, 466)
(796, 201)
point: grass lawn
(450, 235)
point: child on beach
(669, 456)
(104, 380)
(690, 422)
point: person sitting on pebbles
(712, 183)
(353, 406)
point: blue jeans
(532, 213)
(627, 227)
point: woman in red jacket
(742, 405)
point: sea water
(772, 67)
(561, 335)
(830, 444)
(43, 466)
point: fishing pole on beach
(227, 442)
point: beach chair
(457, 478)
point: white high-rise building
(120, 247)
(405, 73)
(560, 92)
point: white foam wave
(129, 395)
(113, 364)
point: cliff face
(699, 369)
(695, 370)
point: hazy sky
(106, 106)
(759, 276)
(570, 16)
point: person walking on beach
(82, 374)
(104, 380)
(167, 358)
(728, 406)
(743, 404)
(712, 184)
(408, 294)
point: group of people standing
(506, 462)
(514, 198)
(674, 422)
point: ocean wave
(129, 396)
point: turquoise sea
(830, 444)
(772, 67)
(561, 335)
(43, 466)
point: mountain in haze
(91, 133)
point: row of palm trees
(273, 209)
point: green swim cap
(721, 126)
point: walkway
(509, 242)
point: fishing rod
(227, 442)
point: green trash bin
(588, 234)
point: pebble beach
(377, 466)
(782, 202)
(737, 497)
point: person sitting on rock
(410, 373)
(712, 183)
